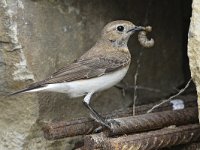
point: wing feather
(85, 69)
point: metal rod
(153, 121)
(165, 137)
(84, 126)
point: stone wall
(38, 37)
(194, 46)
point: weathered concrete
(17, 113)
(194, 46)
(38, 37)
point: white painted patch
(82, 87)
(177, 104)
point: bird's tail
(17, 92)
(28, 89)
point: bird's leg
(94, 114)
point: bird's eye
(120, 28)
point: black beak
(136, 28)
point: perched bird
(100, 68)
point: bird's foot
(113, 123)
(101, 120)
(98, 129)
(109, 123)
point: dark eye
(120, 28)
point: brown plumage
(88, 68)
(104, 65)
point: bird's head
(118, 32)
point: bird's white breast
(82, 87)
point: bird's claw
(109, 124)
(101, 120)
(98, 129)
(113, 123)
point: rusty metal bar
(80, 126)
(153, 121)
(166, 137)
(83, 126)
(95, 141)
(192, 146)
(187, 146)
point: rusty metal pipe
(165, 137)
(84, 126)
(153, 121)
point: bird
(101, 67)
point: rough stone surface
(194, 46)
(17, 113)
(38, 37)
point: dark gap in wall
(186, 7)
(186, 14)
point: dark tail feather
(17, 92)
(24, 90)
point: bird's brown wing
(82, 69)
(85, 69)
